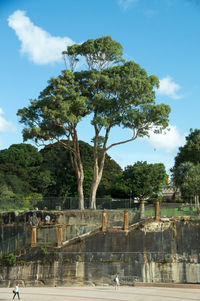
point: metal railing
(72, 203)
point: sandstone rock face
(15, 227)
(149, 251)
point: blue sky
(160, 35)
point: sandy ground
(101, 294)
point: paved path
(102, 294)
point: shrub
(11, 259)
(44, 251)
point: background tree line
(186, 170)
(29, 176)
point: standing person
(117, 284)
(16, 291)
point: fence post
(104, 221)
(59, 237)
(157, 210)
(33, 237)
(142, 209)
(125, 220)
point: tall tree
(122, 95)
(54, 116)
(114, 92)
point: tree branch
(123, 142)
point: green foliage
(11, 259)
(23, 155)
(99, 53)
(180, 173)
(113, 92)
(54, 116)
(191, 184)
(166, 260)
(144, 180)
(22, 179)
(120, 188)
(68, 260)
(126, 88)
(186, 170)
(44, 251)
(57, 110)
(190, 152)
(56, 159)
(19, 170)
(55, 177)
(110, 172)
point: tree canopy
(144, 180)
(21, 173)
(180, 173)
(112, 91)
(190, 152)
(122, 95)
(185, 172)
(190, 187)
(54, 116)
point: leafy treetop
(99, 53)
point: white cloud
(169, 88)
(6, 126)
(169, 140)
(40, 47)
(124, 4)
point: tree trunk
(142, 209)
(77, 165)
(98, 168)
(93, 193)
(98, 171)
(80, 177)
(196, 200)
(80, 194)
(95, 182)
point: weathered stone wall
(164, 251)
(15, 227)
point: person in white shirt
(16, 291)
(117, 284)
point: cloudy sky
(161, 35)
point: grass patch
(177, 211)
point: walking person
(117, 284)
(16, 291)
